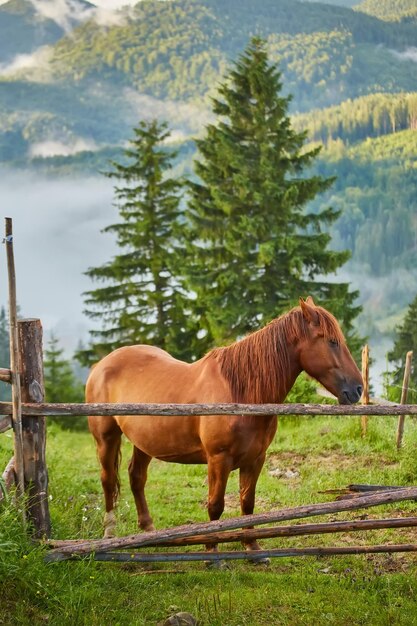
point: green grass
(323, 453)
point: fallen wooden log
(158, 537)
(225, 556)
(359, 490)
(366, 488)
(295, 530)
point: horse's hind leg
(138, 473)
(219, 468)
(108, 439)
(248, 477)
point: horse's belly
(158, 437)
(197, 456)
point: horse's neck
(258, 373)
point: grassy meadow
(308, 456)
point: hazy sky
(57, 236)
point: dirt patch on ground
(232, 504)
(325, 461)
(286, 459)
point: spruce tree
(61, 385)
(5, 389)
(141, 300)
(406, 340)
(254, 247)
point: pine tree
(5, 389)
(142, 301)
(61, 385)
(406, 340)
(255, 249)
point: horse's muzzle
(350, 395)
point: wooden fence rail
(63, 409)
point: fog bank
(56, 226)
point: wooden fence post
(34, 428)
(14, 361)
(404, 394)
(365, 393)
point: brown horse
(261, 368)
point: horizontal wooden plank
(270, 532)
(5, 375)
(64, 409)
(227, 556)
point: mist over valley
(76, 79)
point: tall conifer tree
(61, 384)
(141, 300)
(5, 389)
(406, 340)
(255, 249)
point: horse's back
(137, 373)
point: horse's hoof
(218, 564)
(109, 534)
(148, 529)
(260, 560)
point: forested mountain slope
(361, 118)
(390, 10)
(352, 75)
(23, 28)
(376, 192)
(179, 49)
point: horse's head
(325, 356)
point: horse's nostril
(359, 390)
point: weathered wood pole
(365, 394)
(34, 428)
(128, 557)
(404, 394)
(14, 360)
(9, 479)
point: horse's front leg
(248, 477)
(138, 474)
(219, 468)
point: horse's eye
(334, 343)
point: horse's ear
(309, 312)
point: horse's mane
(257, 367)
